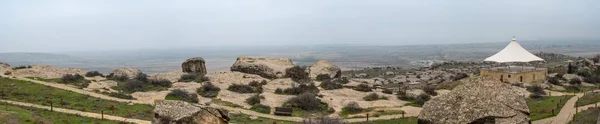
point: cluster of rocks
(479, 100)
(323, 67)
(179, 112)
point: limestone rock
(194, 65)
(324, 67)
(4, 67)
(478, 100)
(265, 67)
(179, 112)
(172, 76)
(127, 72)
(46, 71)
(103, 86)
(568, 77)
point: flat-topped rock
(125, 72)
(265, 67)
(194, 65)
(478, 100)
(179, 112)
(46, 71)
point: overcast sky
(73, 25)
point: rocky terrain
(46, 71)
(324, 67)
(266, 67)
(481, 100)
(178, 112)
(125, 72)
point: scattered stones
(324, 67)
(479, 100)
(194, 65)
(179, 112)
(266, 67)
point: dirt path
(86, 114)
(410, 111)
(566, 113)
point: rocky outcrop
(324, 67)
(179, 112)
(4, 68)
(194, 65)
(46, 71)
(478, 100)
(125, 72)
(265, 67)
(172, 76)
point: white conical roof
(513, 53)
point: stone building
(514, 53)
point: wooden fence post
(51, 107)
(552, 111)
(102, 114)
(367, 117)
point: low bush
(302, 88)
(306, 101)
(430, 90)
(160, 82)
(554, 80)
(241, 88)
(7, 73)
(297, 73)
(363, 87)
(402, 95)
(421, 99)
(373, 97)
(21, 67)
(133, 85)
(183, 96)
(193, 77)
(141, 77)
(71, 78)
(536, 89)
(261, 108)
(111, 76)
(388, 91)
(352, 108)
(459, 76)
(253, 100)
(343, 80)
(323, 77)
(278, 91)
(208, 90)
(330, 85)
(93, 74)
(575, 81)
(592, 79)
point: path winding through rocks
(86, 114)
(566, 112)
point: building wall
(537, 76)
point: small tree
(323, 77)
(208, 90)
(305, 101)
(93, 74)
(353, 107)
(160, 82)
(141, 77)
(363, 87)
(133, 85)
(554, 80)
(254, 99)
(422, 98)
(372, 97)
(329, 85)
(297, 73)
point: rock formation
(172, 76)
(324, 67)
(265, 67)
(4, 67)
(46, 71)
(179, 112)
(127, 72)
(478, 100)
(194, 65)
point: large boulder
(125, 72)
(478, 100)
(324, 67)
(265, 67)
(4, 67)
(179, 112)
(194, 65)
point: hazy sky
(72, 25)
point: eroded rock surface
(324, 67)
(194, 65)
(172, 76)
(46, 71)
(478, 100)
(4, 67)
(127, 72)
(179, 112)
(265, 67)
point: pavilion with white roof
(515, 53)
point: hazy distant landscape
(346, 56)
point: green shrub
(554, 80)
(71, 78)
(183, 96)
(363, 87)
(373, 97)
(352, 108)
(536, 89)
(323, 77)
(430, 90)
(111, 76)
(278, 91)
(21, 67)
(306, 101)
(329, 85)
(261, 108)
(133, 85)
(193, 77)
(253, 100)
(422, 98)
(241, 88)
(208, 90)
(575, 81)
(141, 77)
(388, 91)
(302, 88)
(160, 82)
(93, 74)
(297, 73)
